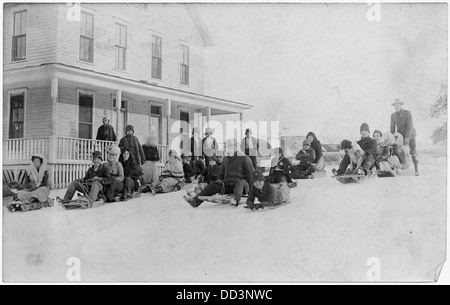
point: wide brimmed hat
(113, 149)
(397, 102)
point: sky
(327, 68)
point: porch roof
(218, 105)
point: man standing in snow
(209, 145)
(402, 122)
(250, 146)
(235, 176)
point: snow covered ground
(328, 233)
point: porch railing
(68, 158)
(19, 151)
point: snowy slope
(327, 234)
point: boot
(416, 165)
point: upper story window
(19, 43)
(156, 57)
(184, 65)
(120, 54)
(87, 37)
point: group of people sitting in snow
(131, 169)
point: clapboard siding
(41, 34)
(171, 22)
(38, 112)
(67, 111)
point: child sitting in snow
(353, 158)
(267, 194)
(187, 169)
(172, 177)
(306, 167)
(280, 166)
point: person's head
(152, 140)
(186, 157)
(129, 130)
(248, 132)
(37, 161)
(278, 152)
(231, 146)
(195, 131)
(364, 130)
(377, 135)
(172, 154)
(346, 146)
(219, 156)
(106, 119)
(97, 158)
(258, 179)
(398, 104)
(126, 155)
(208, 132)
(306, 145)
(113, 152)
(310, 137)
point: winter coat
(306, 157)
(130, 169)
(188, 172)
(106, 133)
(253, 152)
(102, 172)
(150, 152)
(173, 169)
(115, 169)
(196, 147)
(383, 152)
(211, 173)
(209, 151)
(237, 167)
(269, 195)
(35, 178)
(131, 143)
(282, 165)
(369, 146)
(403, 121)
(317, 146)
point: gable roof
(199, 25)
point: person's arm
(98, 134)
(113, 134)
(409, 127)
(299, 155)
(392, 124)
(319, 153)
(120, 172)
(248, 168)
(222, 170)
(122, 143)
(44, 180)
(105, 178)
(312, 155)
(157, 154)
(251, 195)
(141, 151)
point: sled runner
(353, 178)
(223, 199)
(24, 206)
(80, 203)
(259, 206)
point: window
(120, 54)
(184, 116)
(156, 121)
(184, 66)
(16, 118)
(87, 37)
(119, 117)
(156, 57)
(19, 43)
(85, 109)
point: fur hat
(107, 117)
(346, 144)
(113, 149)
(397, 102)
(97, 154)
(258, 176)
(208, 130)
(128, 128)
(364, 126)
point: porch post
(208, 115)
(118, 106)
(53, 143)
(169, 113)
(241, 119)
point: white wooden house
(65, 66)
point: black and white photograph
(215, 142)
